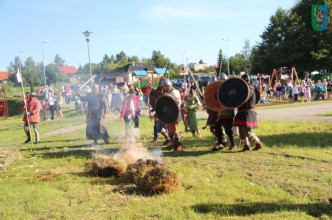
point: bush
(14, 106)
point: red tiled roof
(68, 70)
(4, 75)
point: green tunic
(191, 107)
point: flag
(319, 17)
(19, 76)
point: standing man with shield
(172, 127)
(246, 119)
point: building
(70, 73)
(197, 66)
(132, 73)
(4, 76)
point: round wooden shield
(233, 93)
(153, 96)
(211, 96)
(166, 109)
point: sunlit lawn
(290, 178)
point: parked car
(180, 82)
(204, 80)
(119, 85)
(74, 88)
(190, 79)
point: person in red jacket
(31, 117)
(130, 109)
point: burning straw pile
(135, 164)
(152, 177)
(106, 166)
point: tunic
(97, 108)
(247, 116)
(191, 107)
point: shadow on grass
(315, 210)
(312, 140)
(84, 151)
(72, 153)
(68, 140)
(57, 147)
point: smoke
(131, 150)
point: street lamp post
(87, 34)
(184, 75)
(19, 63)
(42, 45)
(227, 40)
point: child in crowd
(47, 112)
(78, 105)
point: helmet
(223, 76)
(245, 77)
(166, 82)
(33, 94)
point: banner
(319, 17)
(19, 76)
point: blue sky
(136, 27)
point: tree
(221, 62)
(31, 73)
(246, 51)
(121, 57)
(289, 40)
(201, 61)
(238, 63)
(53, 74)
(158, 59)
(59, 61)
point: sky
(185, 31)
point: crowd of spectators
(289, 90)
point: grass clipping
(148, 175)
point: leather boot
(168, 140)
(177, 143)
(233, 145)
(258, 146)
(246, 144)
(171, 144)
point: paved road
(298, 113)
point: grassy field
(290, 178)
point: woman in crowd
(192, 102)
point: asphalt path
(296, 112)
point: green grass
(291, 104)
(326, 114)
(290, 178)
